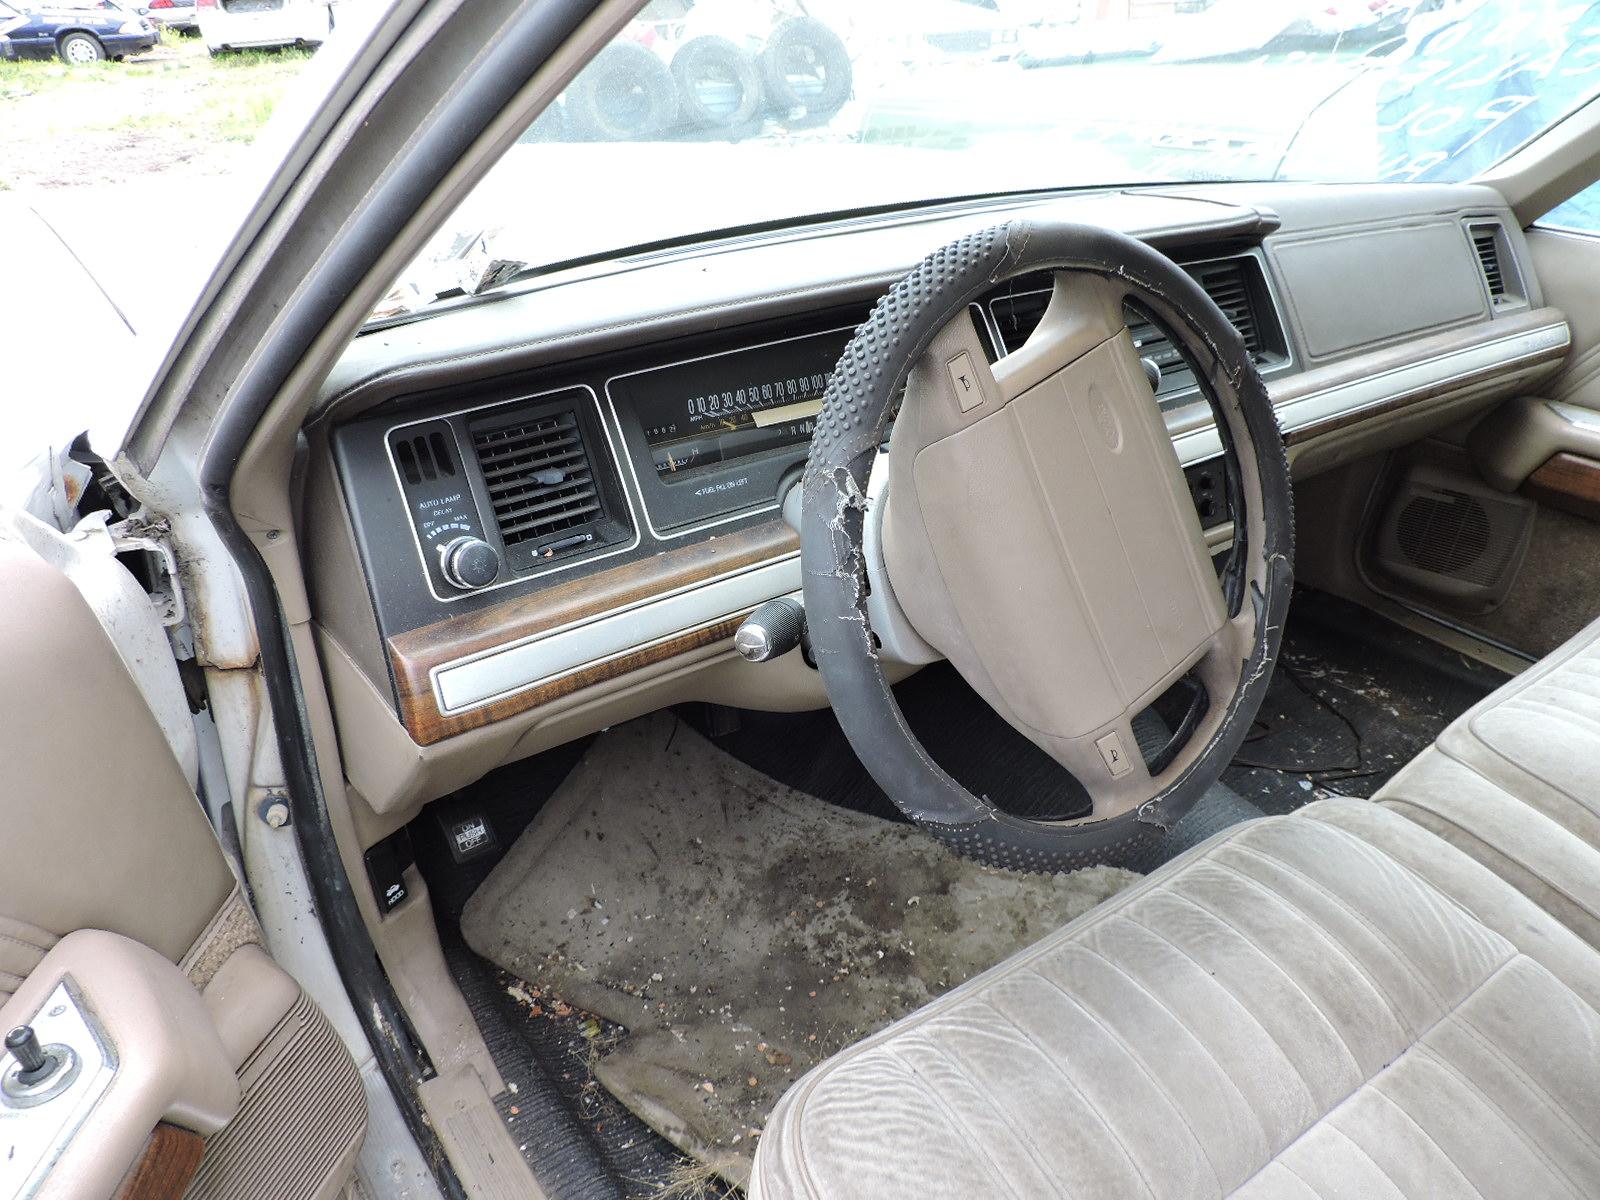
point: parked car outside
(253, 24)
(181, 16)
(9, 20)
(85, 32)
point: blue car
(83, 32)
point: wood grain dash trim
(1366, 366)
(1570, 482)
(165, 1167)
(414, 655)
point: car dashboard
(528, 516)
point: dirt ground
(175, 111)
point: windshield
(711, 115)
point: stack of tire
(713, 87)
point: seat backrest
(98, 827)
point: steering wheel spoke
(1084, 312)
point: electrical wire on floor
(1320, 774)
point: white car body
(173, 14)
(248, 24)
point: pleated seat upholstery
(1357, 1000)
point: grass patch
(176, 107)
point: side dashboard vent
(541, 483)
(1486, 243)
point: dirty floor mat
(1354, 698)
(740, 931)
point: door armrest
(138, 1048)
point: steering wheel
(1037, 531)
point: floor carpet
(1354, 698)
(739, 930)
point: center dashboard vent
(1235, 284)
(1226, 284)
(547, 496)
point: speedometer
(731, 406)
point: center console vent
(1237, 285)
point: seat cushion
(1333, 1003)
(1515, 783)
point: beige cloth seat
(1374, 1000)
(1515, 782)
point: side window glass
(1581, 214)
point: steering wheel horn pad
(1038, 533)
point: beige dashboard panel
(393, 775)
(474, 693)
(1332, 413)
(1350, 289)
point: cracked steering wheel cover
(870, 374)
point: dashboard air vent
(1226, 284)
(539, 480)
(424, 457)
(1486, 241)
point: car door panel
(108, 858)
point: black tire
(805, 66)
(625, 94)
(719, 85)
(77, 49)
